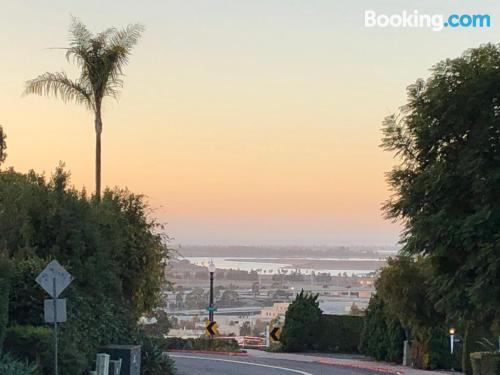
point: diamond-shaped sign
(54, 279)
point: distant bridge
(252, 310)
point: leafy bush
(382, 337)
(30, 343)
(5, 284)
(485, 363)
(11, 366)
(26, 304)
(154, 361)
(275, 347)
(438, 349)
(403, 301)
(302, 321)
(339, 333)
(202, 343)
(112, 248)
(306, 328)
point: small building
(278, 309)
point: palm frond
(121, 44)
(59, 86)
(127, 37)
(114, 56)
(79, 42)
(80, 35)
(104, 36)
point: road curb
(384, 370)
(231, 354)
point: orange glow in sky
(252, 122)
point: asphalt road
(202, 364)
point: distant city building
(278, 309)
(367, 281)
(171, 301)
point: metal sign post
(54, 279)
(55, 328)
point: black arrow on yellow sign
(275, 334)
(211, 328)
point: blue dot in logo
(446, 24)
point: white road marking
(240, 362)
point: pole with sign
(54, 279)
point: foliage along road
(202, 364)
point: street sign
(210, 328)
(60, 306)
(275, 334)
(54, 279)
(211, 308)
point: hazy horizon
(309, 246)
(243, 122)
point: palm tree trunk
(98, 131)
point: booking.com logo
(435, 21)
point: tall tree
(100, 59)
(447, 187)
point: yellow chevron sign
(275, 334)
(210, 328)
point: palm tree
(101, 59)
(3, 145)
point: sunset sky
(244, 122)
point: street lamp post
(211, 307)
(452, 344)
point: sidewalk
(344, 361)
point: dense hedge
(30, 343)
(340, 333)
(382, 336)
(12, 366)
(114, 251)
(307, 328)
(202, 343)
(5, 284)
(485, 363)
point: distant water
(262, 267)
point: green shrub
(33, 344)
(11, 366)
(382, 337)
(438, 349)
(26, 300)
(274, 347)
(395, 341)
(111, 246)
(485, 363)
(93, 322)
(5, 284)
(154, 360)
(202, 343)
(339, 333)
(302, 321)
